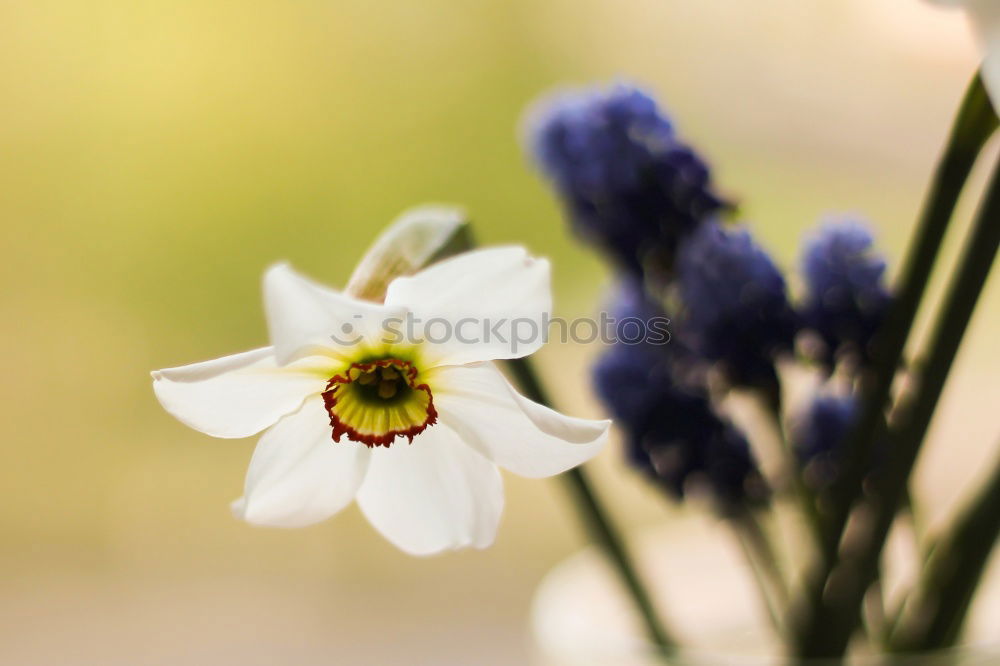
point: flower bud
(415, 239)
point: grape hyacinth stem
(975, 123)
(771, 397)
(849, 581)
(764, 564)
(934, 617)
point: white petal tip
(252, 514)
(242, 510)
(277, 270)
(278, 266)
(238, 508)
(442, 550)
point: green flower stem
(975, 123)
(763, 561)
(597, 521)
(805, 497)
(934, 616)
(839, 614)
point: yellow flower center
(374, 402)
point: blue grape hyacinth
(847, 299)
(736, 310)
(820, 433)
(672, 432)
(628, 184)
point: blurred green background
(156, 156)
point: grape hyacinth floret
(819, 434)
(736, 311)
(672, 432)
(627, 183)
(847, 298)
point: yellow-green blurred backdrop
(156, 155)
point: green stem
(875, 617)
(934, 616)
(763, 563)
(975, 123)
(859, 563)
(596, 519)
(805, 497)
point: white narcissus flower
(412, 427)
(985, 18)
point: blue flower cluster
(673, 432)
(628, 184)
(633, 189)
(819, 433)
(847, 298)
(737, 312)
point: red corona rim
(374, 402)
